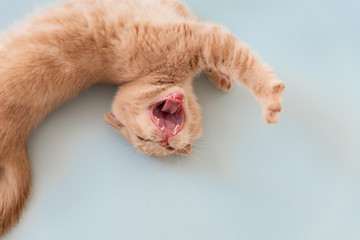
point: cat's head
(158, 117)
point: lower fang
(177, 129)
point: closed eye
(143, 139)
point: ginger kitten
(152, 50)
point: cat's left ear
(186, 151)
(112, 120)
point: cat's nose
(164, 143)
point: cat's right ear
(113, 121)
(186, 151)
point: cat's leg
(220, 80)
(180, 9)
(232, 59)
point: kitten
(152, 50)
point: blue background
(299, 179)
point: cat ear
(186, 151)
(112, 120)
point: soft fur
(149, 49)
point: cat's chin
(161, 152)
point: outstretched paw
(220, 81)
(272, 103)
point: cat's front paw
(220, 81)
(272, 103)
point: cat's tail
(15, 183)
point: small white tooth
(162, 128)
(157, 119)
(177, 128)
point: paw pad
(278, 88)
(223, 82)
(220, 80)
(272, 103)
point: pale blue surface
(298, 180)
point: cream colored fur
(150, 49)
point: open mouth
(168, 114)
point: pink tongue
(171, 106)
